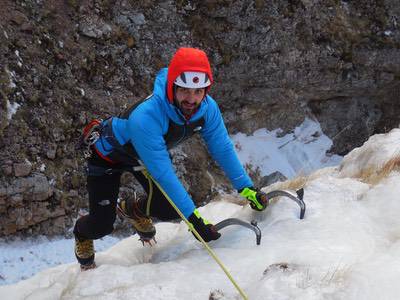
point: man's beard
(186, 109)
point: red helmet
(190, 68)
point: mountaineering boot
(143, 225)
(84, 252)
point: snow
(346, 247)
(19, 63)
(12, 77)
(42, 167)
(22, 259)
(297, 153)
(11, 109)
(82, 91)
(373, 155)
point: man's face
(188, 100)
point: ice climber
(141, 136)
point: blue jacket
(148, 123)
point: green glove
(258, 200)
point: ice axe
(234, 221)
(298, 198)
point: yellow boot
(84, 252)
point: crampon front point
(148, 241)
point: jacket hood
(184, 60)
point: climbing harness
(90, 135)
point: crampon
(141, 223)
(147, 241)
(88, 267)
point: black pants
(103, 192)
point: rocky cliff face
(275, 62)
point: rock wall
(63, 63)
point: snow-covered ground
(22, 259)
(346, 247)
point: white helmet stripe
(193, 80)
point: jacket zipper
(183, 134)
